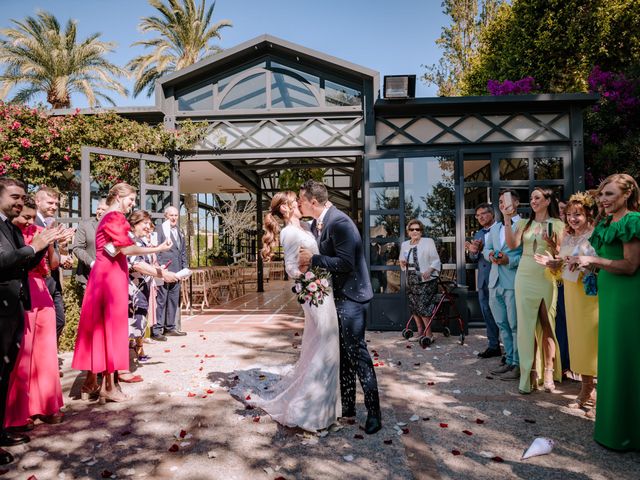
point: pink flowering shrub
(523, 86)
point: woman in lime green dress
(536, 291)
(616, 240)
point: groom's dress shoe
(373, 423)
(5, 457)
(10, 439)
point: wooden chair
(199, 288)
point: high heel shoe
(585, 398)
(89, 393)
(549, 385)
(115, 395)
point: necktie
(48, 221)
(485, 230)
(176, 236)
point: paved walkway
(444, 416)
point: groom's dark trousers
(342, 254)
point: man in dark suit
(16, 260)
(168, 297)
(486, 218)
(84, 244)
(342, 254)
(47, 202)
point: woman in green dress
(616, 240)
(536, 292)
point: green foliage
(184, 32)
(41, 149)
(293, 178)
(72, 297)
(558, 42)
(44, 59)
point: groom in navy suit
(342, 254)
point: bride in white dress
(308, 396)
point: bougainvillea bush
(42, 149)
(523, 86)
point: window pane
(477, 170)
(474, 196)
(312, 79)
(341, 95)
(385, 225)
(289, 92)
(385, 198)
(385, 253)
(157, 201)
(385, 281)
(429, 194)
(547, 168)
(249, 93)
(383, 170)
(200, 99)
(514, 169)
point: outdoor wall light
(399, 86)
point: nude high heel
(549, 385)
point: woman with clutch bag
(102, 343)
(616, 240)
(580, 299)
(420, 259)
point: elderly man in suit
(168, 296)
(84, 244)
(16, 259)
(486, 218)
(47, 202)
(502, 298)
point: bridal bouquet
(313, 286)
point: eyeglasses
(415, 229)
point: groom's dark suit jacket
(342, 254)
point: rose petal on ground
(455, 452)
(405, 431)
(209, 356)
(198, 356)
(200, 369)
(203, 396)
(408, 346)
(444, 425)
(183, 346)
(417, 364)
(248, 397)
(256, 419)
(190, 394)
(467, 432)
(167, 371)
(431, 383)
(426, 419)
(497, 459)
(375, 364)
(296, 334)
(3, 471)
(167, 350)
(479, 421)
(182, 434)
(358, 436)
(209, 391)
(529, 421)
(387, 442)
(174, 448)
(104, 474)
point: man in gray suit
(84, 244)
(168, 296)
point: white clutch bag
(110, 249)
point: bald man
(168, 297)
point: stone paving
(444, 416)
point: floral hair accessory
(584, 198)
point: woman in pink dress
(103, 331)
(34, 386)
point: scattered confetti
(348, 458)
(506, 413)
(467, 432)
(455, 452)
(444, 425)
(174, 448)
(479, 421)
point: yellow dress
(532, 287)
(582, 310)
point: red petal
(183, 346)
(296, 334)
(209, 356)
(204, 396)
(456, 452)
(280, 478)
(479, 421)
(408, 346)
(204, 338)
(358, 436)
(104, 474)
(200, 369)
(467, 432)
(248, 397)
(529, 421)
(497, 459)
(174, 448)
(201, 361)
(444, 425)
(388, 442)
(431, 383)
(375, 364)
(191, 394)
(183, 433)
(4, 470)
(381, 364)
(399, 363)
(405, 431)
(248, 407)
(167, 371)
(167, 350)
(32, 477)
(198, 355)
(209, 391)
(416, 364)
(256, 419)
(425, 419)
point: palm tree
(44, 59)
(184, 39)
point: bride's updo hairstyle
(272, 222)
(119, 190)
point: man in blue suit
(342, 254)
(502, 299)
(485, 217)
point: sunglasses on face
(415, 230)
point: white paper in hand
(540, 446)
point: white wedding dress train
(308, 395)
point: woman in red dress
(103, 331)
(34, 386)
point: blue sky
(390, 36)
